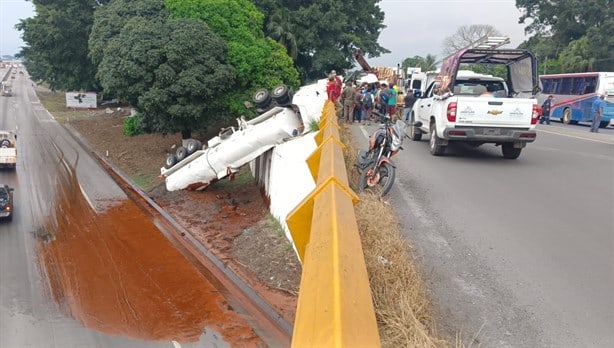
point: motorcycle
(377, 171)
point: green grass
(146, 181)
(55, 103)
(242, 177)
(279, 230)
(314, 125)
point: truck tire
(566, 119)
(193, 145)
(414, 132)
(262, 98)
(435, 146)
(171, 160)
(5, 143)
(603, 124)
(281, 94)
(509, 151)
(181, 153)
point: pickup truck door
(424, 105)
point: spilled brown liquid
(116, 273)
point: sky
(413, 27)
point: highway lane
(518, 253)
(28, 315)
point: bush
(132, 125)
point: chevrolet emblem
(494, 112)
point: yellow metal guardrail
(335, 308)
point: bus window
(578, 85)
(546, 86)
(565, 86)
(590, 84)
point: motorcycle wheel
(378, 183)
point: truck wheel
(193, 146)
(5, 143)
(262, 98)
(603, 124)
(435, 143)
(181, 153)
(171, 160)
(414, 132)
(509, 151)
(566, 119)
(281, 94)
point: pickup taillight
(451, 113)
(535, 114)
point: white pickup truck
(463, 106)
(8, 149)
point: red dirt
(116, 273)
(229, 218)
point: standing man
(392, 101)
(597, 112)
(347, 98)
(546, 106)
(410, 100)
(337, 92)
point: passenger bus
(574, 95)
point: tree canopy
(427, 63)
(326, 31)
(56, 43)
(571, 35)
(259, 62)
(172, 71)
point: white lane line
(364, 132)
(87, 198)
(577, 137)
(176, 344)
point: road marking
(364, 132)
(176, 344)
(87, 199)
(577, 137)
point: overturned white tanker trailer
(194, 168)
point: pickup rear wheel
(509, 151)
(414, 132)
(435, 143)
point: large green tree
(172, 70)
(326, 31)
(427, 63)
(567, 21)
(56, 43)
(260, 62)
(109, 21)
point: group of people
(596, 112)
(356, 103)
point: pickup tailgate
(497, 112)
(8, 155)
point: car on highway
(6, 202)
